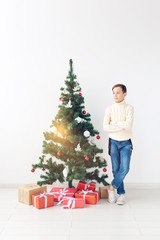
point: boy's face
(118, 94)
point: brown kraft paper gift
(103, 192)
(25, 192)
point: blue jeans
(120, 152)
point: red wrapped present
(86, 185)
(44, 200)
(89, 196)
(69, 202)
(59, 193)
(98, 195)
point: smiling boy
(118, 123)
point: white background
(110, 42)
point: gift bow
(87, 191)
(71, 202)
(88, 183)
(62, 193)
(43, 195)
(84, 193)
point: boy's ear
(125, 94)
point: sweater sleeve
(129, 120)
(106, 123)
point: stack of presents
(85, 193)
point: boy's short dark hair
(124, 89)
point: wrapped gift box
(44, 200)
(69, 202)
(59, 193)
(25, 192)
(103, 192)
(86, 185)
(89, 196)
(98, 195)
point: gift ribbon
(88, 183)
(88, 191)
(71, 202)
(97, 195)
(43, 195)
(84, 194)
(62, 193)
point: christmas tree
(70, 145)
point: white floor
(138, 219)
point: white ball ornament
(86, 133)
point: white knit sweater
(118, 121)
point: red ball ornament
(62, 99)
(98, 137)
(49, 182)
(58, 153)
(104, 169)
(80, 94)
(32, 170)
(86, 158)
(84, 112)
(43, 169)
(42, 152)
